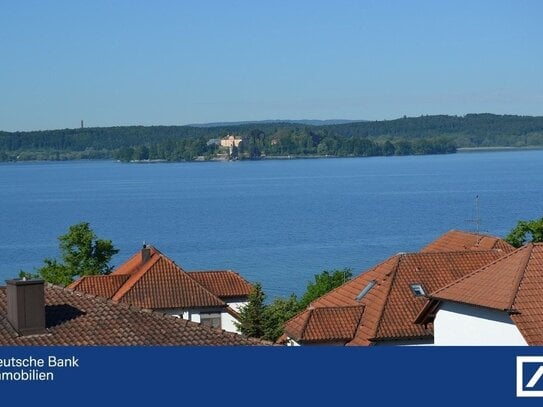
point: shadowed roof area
(457, 240)
(76, 319)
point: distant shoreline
(460, 150)
(490, 149)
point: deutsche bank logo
(529, 376)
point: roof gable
(492, 286)
(512, 284)
(156, 283)
(165, 285)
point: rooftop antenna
(477, 219)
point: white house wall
(459, 324)
(236, 305)
(227, 320)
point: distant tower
(81, 123)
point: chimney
(26, 306)
(145, 254)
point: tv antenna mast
(477, 219)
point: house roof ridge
(392, 277)
(521, 273)
(135, 277)
(306, 322)
(357, 277)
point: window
(365, 290)
(212, 320)
(418, 290)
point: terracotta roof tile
(492, 286)
(513, 283)
(77, 319)
(165, 285)
(159, 283)
(103, 286)
(326, 324)
(222, 283)
(390, 305)
(457, 240)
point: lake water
(277, 222)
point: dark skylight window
(418, 290)
(365, 290)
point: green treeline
(406, 136)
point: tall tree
(277, 313)
(525, 232)
(82, 254)
(251, 316)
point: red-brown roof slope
(164, 285)
(457, 240)
(103, 286)
(223, 283)
(76, 319)
(513, 283)
(327, 324)
(390, 304)
(134, 263)
(154, 282)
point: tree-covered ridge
(416, 135)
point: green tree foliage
(252, 316)
(414, 135)
(276, 314)
(323, 283)
(526, 231)
(82, 254)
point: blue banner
(275, 376)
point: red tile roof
(103, 286)
(158, 283)
(457, 240)
(165, 285)
(390, 305)
(326, 324)
(513, 284)
(76, 319)
(223, 283)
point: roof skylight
(365, 290)
(418, 290)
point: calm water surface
(277, 222)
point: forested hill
(413, 135)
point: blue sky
(115, 63)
